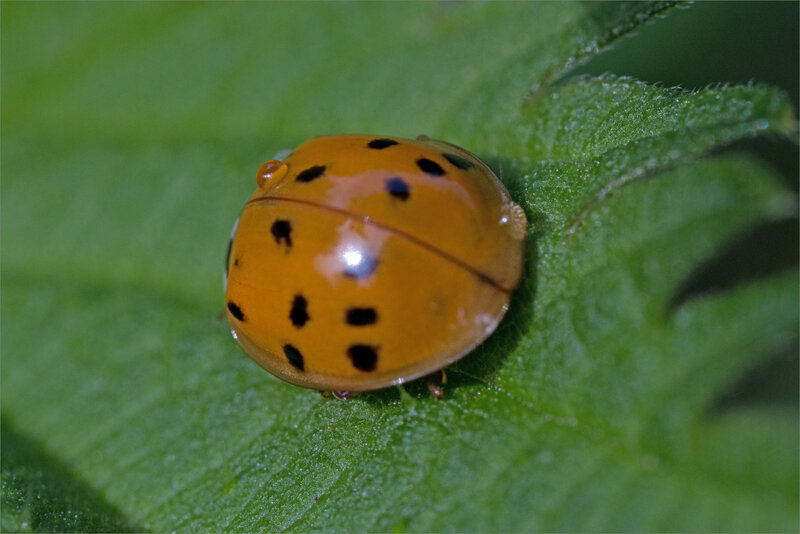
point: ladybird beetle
(365, 261)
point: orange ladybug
(365, 261)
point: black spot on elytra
(458, 161)
(381, 143)
(430, 167)
(282, 231)
(236, 262)
(361, 316)
(398, 188)
(294, 357)
(362, 269)
(312, 173)
(299, 313)
(364, 357)
(236, 311)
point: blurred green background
(718, 42)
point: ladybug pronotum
(365, 261)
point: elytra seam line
(404, 235)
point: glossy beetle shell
(363, 261)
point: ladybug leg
(340, 395)
(519, 223)
(442, 376)
(437, 390)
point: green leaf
(40, 495)
(131, 132)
